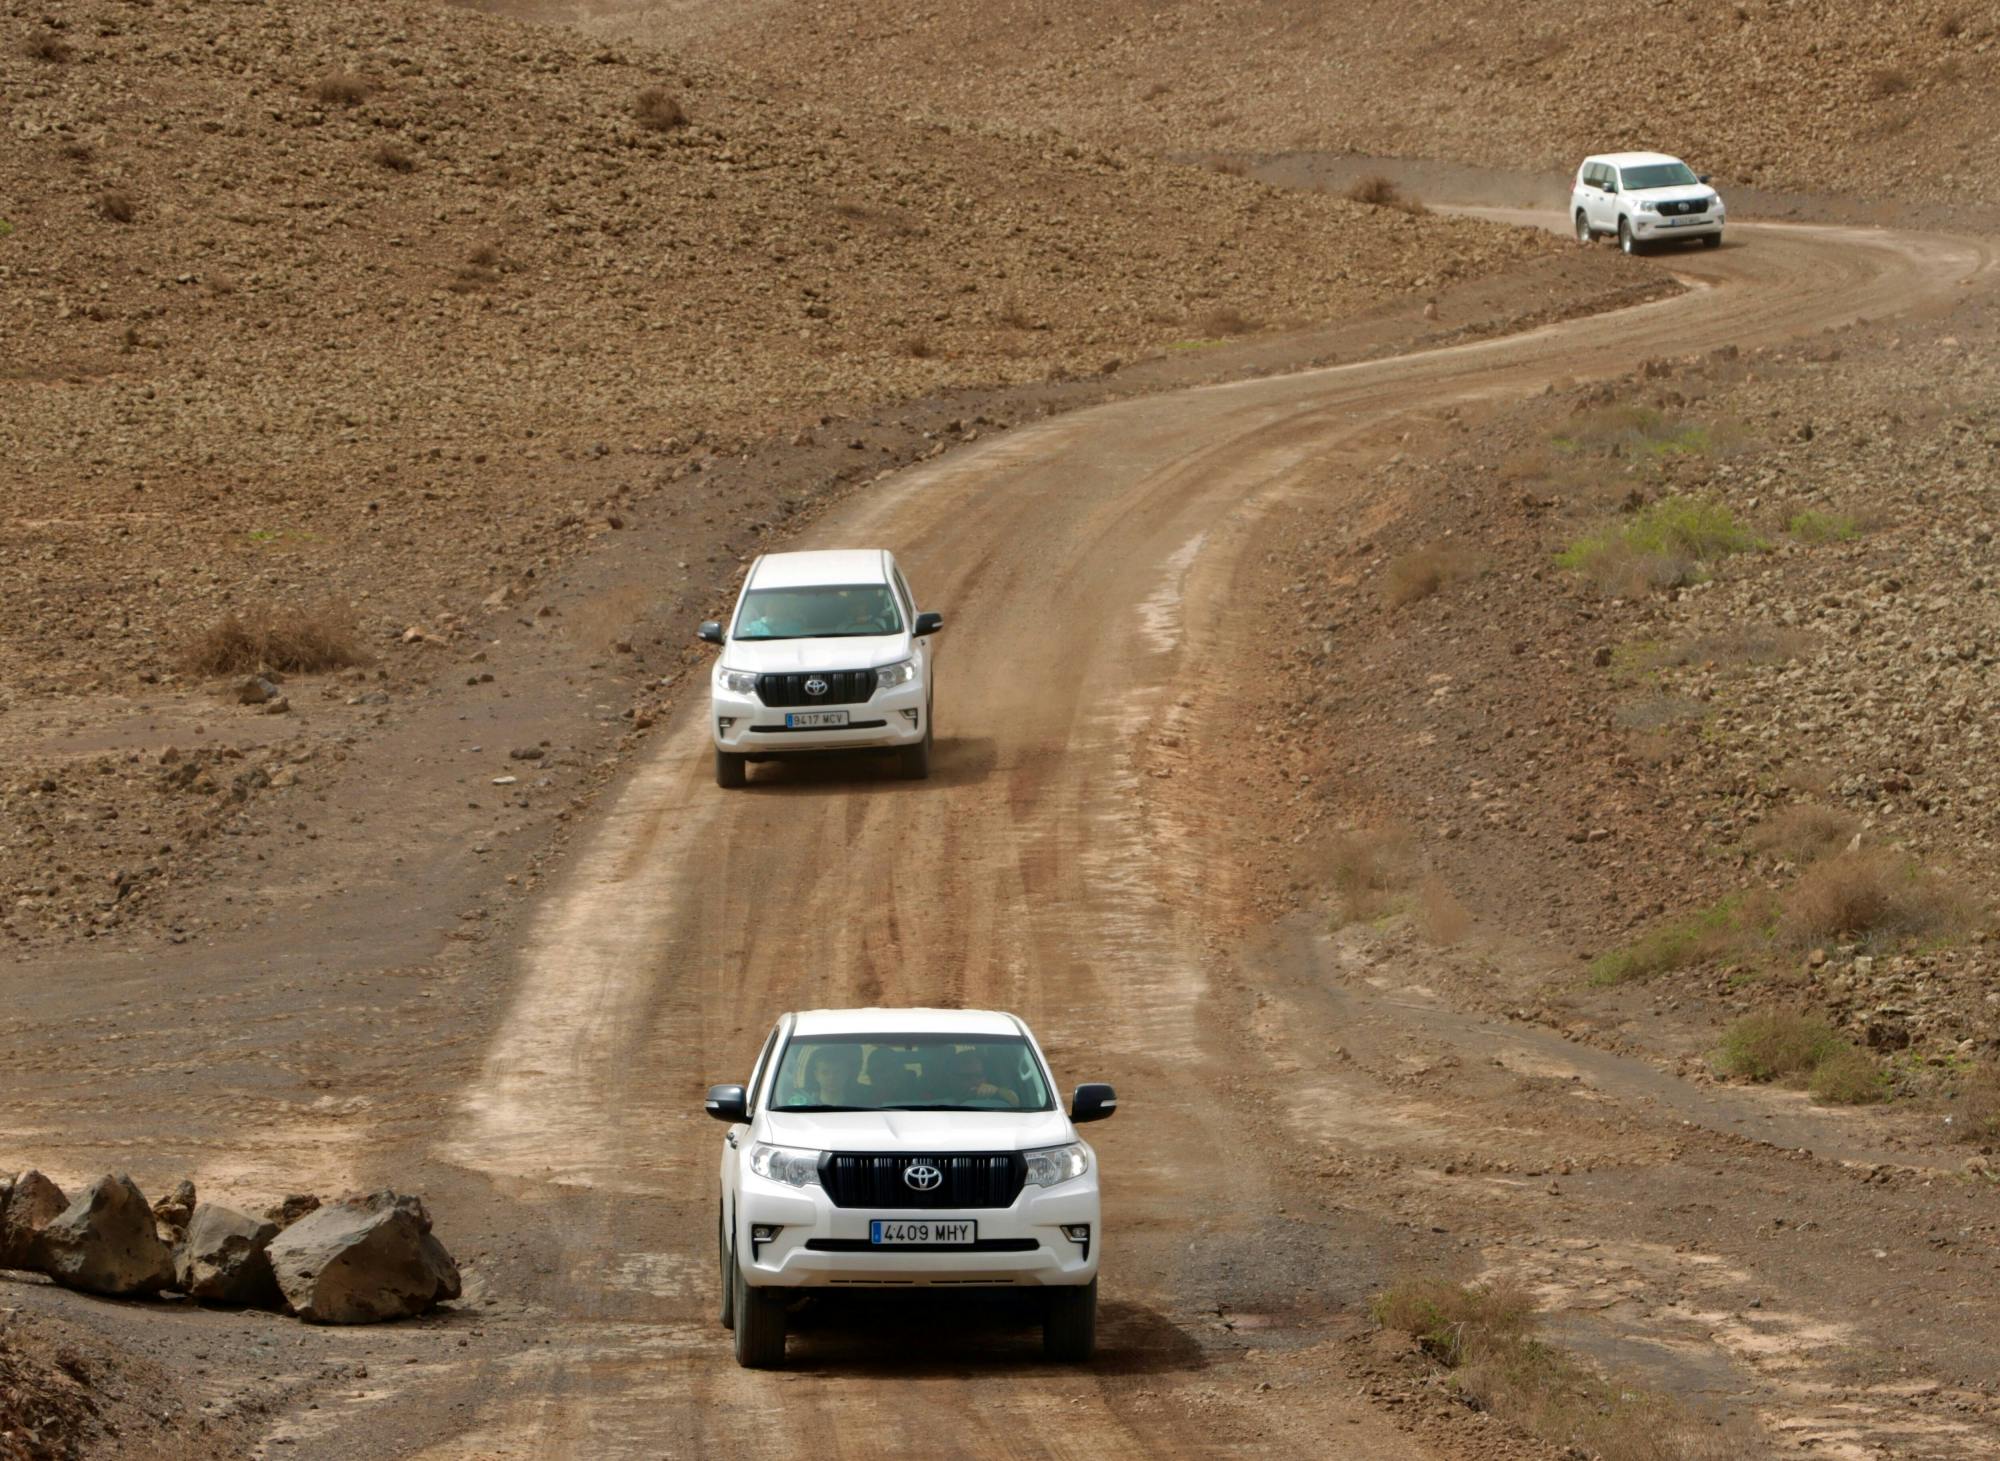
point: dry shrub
(1887, 81)
(117, 205)
(1873, 895)
(388, 155)
(1805, 832)
(292, 641)
(1229, 167)
(1418, 574)
(1745, 646)
(1694, 938)
(1484, 1335)
(1800, 1049)
(658, 110)
(342, 89)
(1369, 868)
(1975, 1112)
(1444, 920)
(47, 46)
(1376, 190)
(485, 256)
(1227, 320)
(471, 279)
(885, 216)
(77, 152)
(1951, 25)
(919, 347)
(1014, 315)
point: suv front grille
(842, 687)
(969, 1181)
(1697, 205)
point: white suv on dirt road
(1644, 198)
(901, 1148)
(826, 651)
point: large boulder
(225, 1259)
(106, 1242)
(31, 1203)
(362, 1260)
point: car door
(1603, 206)
(920, 649)
(733, 1139)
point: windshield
(909, 1073)
(1659, 175)
(829, 612)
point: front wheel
(1069, 1324)
(760, 1324)
(730, 770)
(1585, 235)
(1628, 242)
(915, 761)
(1711, 240)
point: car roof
(1631, 159)
(826, 566)
(904, 1022)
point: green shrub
(1663, 545)
(1823, 527)
(1848, 1077)
(1802, 1049)
(1706, 934)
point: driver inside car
(964, 1081)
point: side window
(903, 592)
(1598, 173)
(763, 1060)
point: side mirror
(1701, 177)
(726, 1103)
(710, 632)
(928, 624)
(1611, 185)
(1093, 1102)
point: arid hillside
(1841, 96)
(378, 300)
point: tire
(1585, 234)
(1711, 240)
(730, 770)
(1628, 242)
(728, 1261)
(760, 1323)
(1069, 1324)
(914, 762)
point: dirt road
(1069, 861)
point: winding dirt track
(1087, 567)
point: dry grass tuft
(919, 347)
(341, 89)
(1870, 895)
(1417, 575)
(1227, 320)
(388, 155)
(1975, 1114)
(485, 256)
(1442, 918)
(1801, 1049)
(1693, 938)
(1484, 1335)
(292, 641)
(47, 46)
(659, 110)
(1887, 81)
(1805, 832)
(117, 205)
(77, 152)
(1377, 191)
(1370, 868)
(1951, 25)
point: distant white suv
(1643, 198)
(826, 651)
(900, 1148)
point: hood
(926, 1132)
(787, 656)
(1677, 193)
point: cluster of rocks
(358, 1260)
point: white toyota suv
(1643, 198)
(901, 1148)
(826, 651)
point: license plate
(815, 719)
(890, 1232)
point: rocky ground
(1602, 761)
(381, 319)
(1837, 97)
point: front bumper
(1038, 1252)
(1692, 225)
(889, 718)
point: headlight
(1057, 1164)
(1646, 205)
(737, 682)
(900, 673)
(786, 1164)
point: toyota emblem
(922, 1176)
(815, 686)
